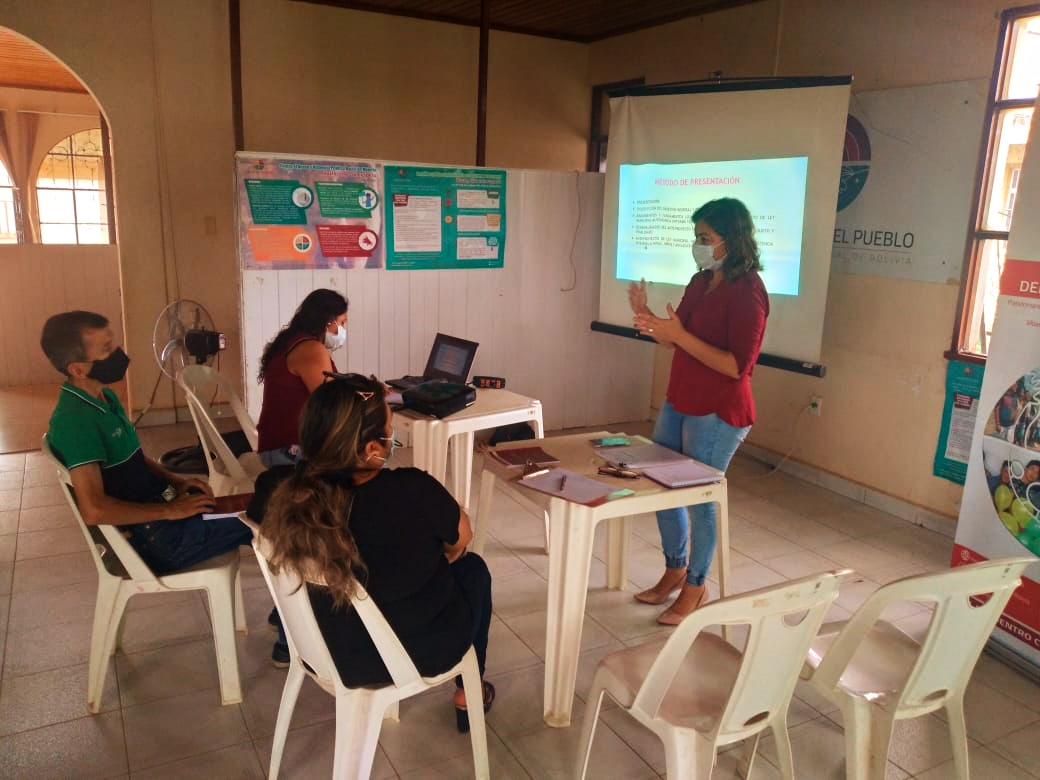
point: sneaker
(274, 622)
(280, 656)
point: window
(8, 223)
(1009, 113)
(70, 191)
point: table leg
(539, 428)
(483, 518)
(461, 466)
(722, 530)
(618, 535)
(570, 556)
(430, 449)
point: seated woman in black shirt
(397, 531)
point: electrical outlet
(815, 402)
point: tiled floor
(162, 715)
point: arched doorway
(57, 236)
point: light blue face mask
(394, 444)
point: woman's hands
(637, 297)
(663, 330)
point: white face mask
(334, 341)
(704, 257)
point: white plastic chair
(359, 711)
(877, 674)
(122, 574)
(227, 474)
(720, 694)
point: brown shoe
(670, 581)
(691, 598)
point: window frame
(102, 191)
(978, 234)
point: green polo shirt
(85, 429)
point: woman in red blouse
(716, 334)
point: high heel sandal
(656, 595)
(462, 714)
(673, 617)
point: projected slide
(655, 202)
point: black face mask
(111, 369)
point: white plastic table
(430, 436)
(572, 527)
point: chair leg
(588, 728)
(357, 733)
(868, 732)
(290, 692)
(688, 755)
(108, 612)
(747, 760)
(958, 736)
(783, 747)
(474, 689)
(222, 617)
(240, 605)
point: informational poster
(444, 218)
(963, 385)
(907, 174)
(308, 213)
(1000, 508)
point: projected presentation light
(656, 201)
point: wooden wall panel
(40, 280)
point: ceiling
(27, 66)
(24, 65)
(583, 21)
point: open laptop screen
(450, 358)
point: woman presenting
(398, 532)
(716, 334)
(293, 364)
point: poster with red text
(1000, 508)
(301, 212)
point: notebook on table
(639, 454)
(685, 473)
(450, 360)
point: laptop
(450, 360)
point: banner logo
(855, 162)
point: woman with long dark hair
(716, 334)
(398, 532)
(292, 366)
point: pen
(563, 482)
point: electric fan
(184, 335)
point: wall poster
(440, 218)
(299, 212)
(1000, 508)
(963, 385)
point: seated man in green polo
(114, 481)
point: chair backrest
(205, 383)
(305, 637)
(110, 550)
(781, 620)
(961, 624)
(226, 473)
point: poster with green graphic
(444, 218)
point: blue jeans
(171, 545)
(283, 456)
(710, 440)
